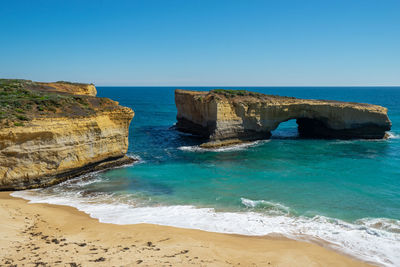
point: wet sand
(52, 235)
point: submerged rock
(227, 117)
(50, 132)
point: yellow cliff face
(70, 88)
(63, 142)
(227, 117)
(195, 109)
(36, 154)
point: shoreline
(51, 180)
(57, 235)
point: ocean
(344, 192)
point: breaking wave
(271, 207)
(370, 239)
(393, 135)
(223, 149)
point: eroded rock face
(70, 88)
(63, 143)
(228, 117)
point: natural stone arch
(226, 117)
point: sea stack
(50, 132)
(226, 117)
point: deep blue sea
(344, 192)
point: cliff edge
(228, 117)
(50, 132)
(68, 87)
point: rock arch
(229, 116)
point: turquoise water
(342, 179)
(345, 192)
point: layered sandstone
(70, 88)
(229, 116)
(62, 140)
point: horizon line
(216, 86)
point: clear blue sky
(189, 42)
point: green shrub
(21, 99)
(22, 117)
(232, 93)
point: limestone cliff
(47, 137)
(231, 116)
(71, 88)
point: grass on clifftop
(22, 100)
(232, 93)
(73, 83)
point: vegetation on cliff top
(232, 93)
(72, 83)
(23, 100)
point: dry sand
(50, 235)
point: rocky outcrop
(70, 88)
(63, 141)
(227, 117)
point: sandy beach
(51, 235)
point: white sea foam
(92, 177)
(367, 239)
(223, 149)
(137, 159)
(393, 135)
(272, 207)
(389, 225)
(81, 181)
